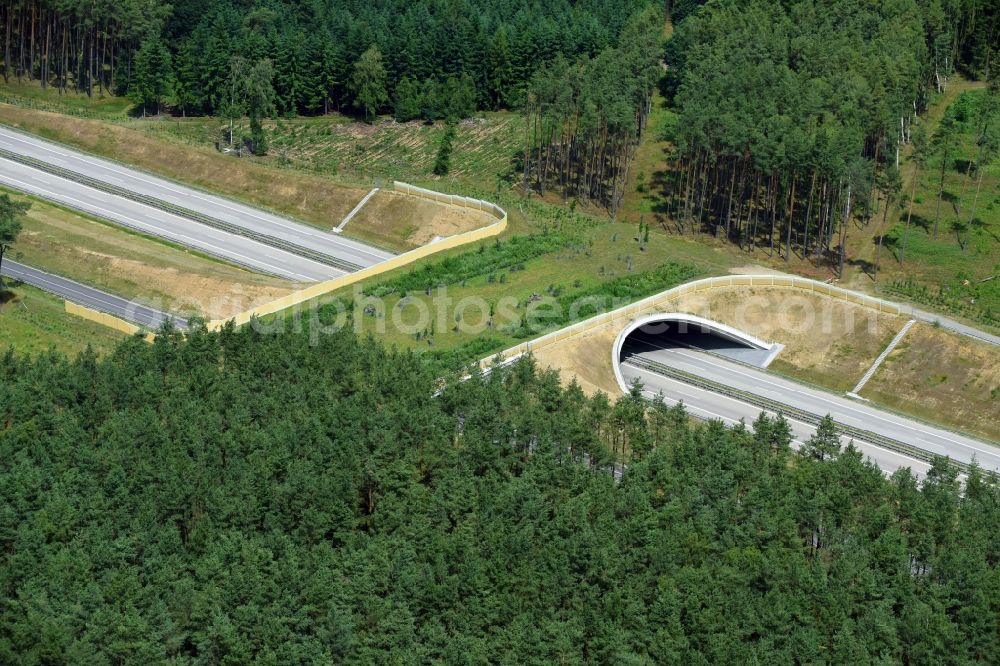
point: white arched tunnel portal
(685, 322)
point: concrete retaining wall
(452, 199)
(322, 288)
(105, 319)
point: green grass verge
(442, 307)
(958, 268)
(102, 105)
(33, 321)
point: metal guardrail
(798, 414)
(826, 389)
(180, 211)
(254, 205)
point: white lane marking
(831, 400)
(336, 241)
(989, 454)
(67, 286)
(159, 232)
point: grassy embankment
(163, 146)
(940, 376)
(933, 375)
(32, 322)
(541, 274)
(146, 269)
(316, 170)
(107, 130)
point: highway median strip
(796, 413)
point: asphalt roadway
(256, 220)
(90, 297)
(708, 404)
(155, 222)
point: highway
(257, 221)
(709, 404)
(155, 222)
(90, 297)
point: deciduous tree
(368, 83)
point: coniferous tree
(186, 95)
(432, 102)
(407, 102)
(151, 77)
(260, 96)
(918, 155)
(825, 442)
(411, 527)
(442, 162)
(770, 135)
(460, 95)
(943, 144)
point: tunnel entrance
(656, 336)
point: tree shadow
(890, 244)
(7, 295)
(136, 111)
(662, 198)
(921, 222)
(979, 225)
(962, 165)
(951, 198)
(825, 258)
(660, 182)
(867, 266)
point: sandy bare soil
(586, 357)
(178, 291)
(403, 222)
(123, 263)
(944, 377)
(826, 341)
(933, 374)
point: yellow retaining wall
(648, 305)
(105, 319)
(622, 315)
(321, 288)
